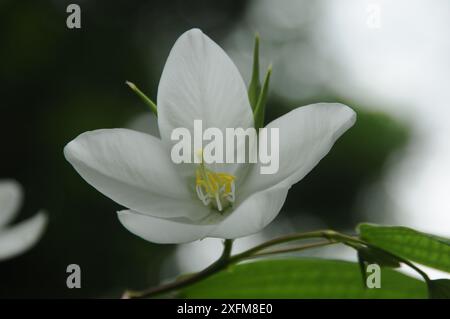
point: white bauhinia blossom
(166, 201)
(16, 239)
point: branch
(221, 263)
(226, 259)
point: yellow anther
(214, 188)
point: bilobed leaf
(410, 244)
(302, 278)
(254, 87)
(439, 288)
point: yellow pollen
(213, 188)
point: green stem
(220, 264)
(292, 249)
(282, 240)
(145, 98)
(330, 235)
(226, 259)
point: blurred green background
(57, 83)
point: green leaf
(254, 87)
(375, 256)
(302, 278)
(260, 109)
(410, 244)
(362, 269)
(368, 255)
(257, 95)
(439, 288)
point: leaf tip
(257, 37)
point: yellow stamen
(214, 188)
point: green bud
(150, 103)
(254, 87)
(260, 109)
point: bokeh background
(388, 60)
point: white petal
(11, 196)
(18, 238)
(253, 214)
(132, 168)
(200, 82)
(306, 136)
(162, 231)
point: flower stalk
(226, 259)
(215, 267)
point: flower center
(215, 189)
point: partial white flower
(134, 169)
(20, 237)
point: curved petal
(11, 196)
(17, 239)
(200, 82)
(162, 231)
(131, 168)
(306, 135)
(253, 214)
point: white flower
(134, 169)
(18, 238)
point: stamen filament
(214, 188)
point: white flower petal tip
(306, 135)
(345, 116)
(11, 196)
(134, 169)
(200, 81)
(16, 239)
